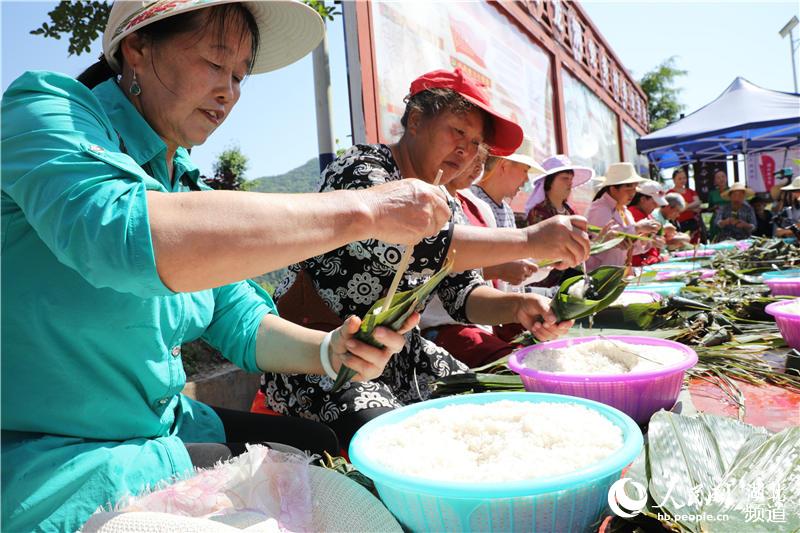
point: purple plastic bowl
(637, 394)
(788, 323)
(784, 286)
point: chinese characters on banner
(761, 168)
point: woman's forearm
(207, 239)
(477, 247)
(286, 348)
(486, 305)
(559, 238)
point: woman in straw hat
(114, 256)
(447, 118)
(787, 221)
(736, 220)
(610, 209)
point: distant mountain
(301, 179)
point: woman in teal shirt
(114, 255)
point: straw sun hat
(621, 174)
(738, 186)
(288, 29)
(793, 186)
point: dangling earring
(135, 88)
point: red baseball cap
(507, 133)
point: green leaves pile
(393, 317)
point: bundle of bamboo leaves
(392, 316)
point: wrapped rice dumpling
(574, 300)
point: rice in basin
(495, 442)
(792, 308)
(603, 356)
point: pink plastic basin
(637, 394)
(693, 253)
(666, 275)
(788, 323)
(784, 286)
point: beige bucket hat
(620, 174)
(288, 29)
(793, 186)
(534, 168)
(738, 186)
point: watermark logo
(623, 505)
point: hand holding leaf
(392, 316)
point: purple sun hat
(553, 165)
(561, 163)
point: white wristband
(325, 356)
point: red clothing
(689, 195)
(650, 256)
(471, 210)
(472, 345)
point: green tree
(228, 170)
(83, 21)
(663, 106)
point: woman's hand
(368, 361)
(647, 227)
(534, 313)
(562, 238)
(514, 272)
(405, 211)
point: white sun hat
(288, 29)
(654, 190)
(534, 168)
(621, 174)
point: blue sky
(274, 122)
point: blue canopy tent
(745, 118)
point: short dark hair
(638, 198)
(218, 19)
(432, 102)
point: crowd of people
(115, 254)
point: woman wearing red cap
(447, 118)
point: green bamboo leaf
(403, 305)
(766, 478)
(688, 458)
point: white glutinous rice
(792, 308)
(495, 442)
(577, 289)
(603, 356)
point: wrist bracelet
(325, 356)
